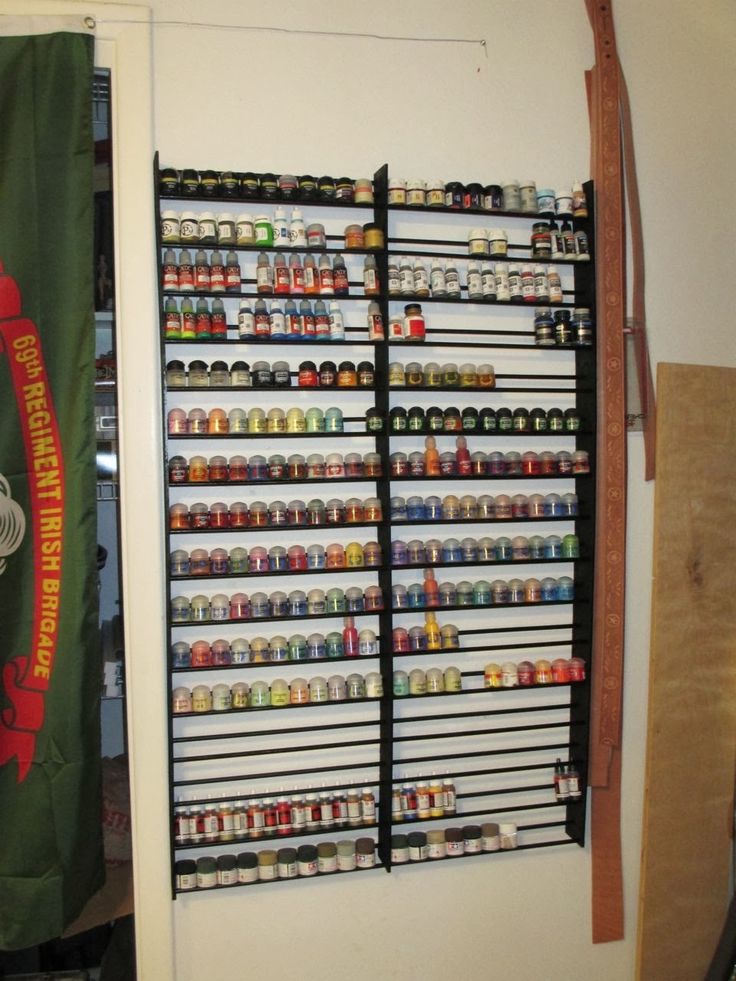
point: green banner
(50, 801)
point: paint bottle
(541, 284)
(568, 240)
(462, 456)
(432, 630)
(337, 325)
(326, 277)
(233, 282)
(367, 806)
(560, 782)
(370, 276)
(311, 276)
(431, 457)
(172, 320)
(455, 842)
(206, 872)
(340, 276)
(247, 867)
(350, 637)
(436, 844)
(406, 276)
(280, 228)
(203, 322)
(582, 248)
(201, 272)
(573, 781)
(170, 271)
(276, 322)
(346, 860)
(394, 278)
(501, 273)
(297, 233)
(437, 284)
(511, 196)
(564, 203)
(307, 325)
(452, 280)
(507, 835)
(475, 281)
(217, 273)
(579, 201)
(554, 285)
(375, 322)
(422, 800)
(436, 798)
(488, 282)
(515, 283)
(281, 281)
(365, 853)
(296, 275)
(246, 320)
(354, 809)
(327, 857)
(264, 275)
(421, 279)
(431, 588)
(450, 796)
(490, 840)
(418, 850)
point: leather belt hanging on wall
(603, 89)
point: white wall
(228, 98)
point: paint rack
(498, 745)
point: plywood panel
(688, 811)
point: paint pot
(490, 840)
(508, 835)
(365, 853)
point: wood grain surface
(691, 740)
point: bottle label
(296, 275)
(452, 281)
(171, 276)
(203, 325)
(375, 327)
(172, 325)
(246, 324)
(475, 284)
(368, 809)
(340, 278)
(437, 281)
(218, 325)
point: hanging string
(293, 30)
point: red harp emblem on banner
(26, 677)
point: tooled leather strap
(603, 90)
